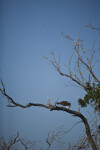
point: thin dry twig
(12, 103)
(72, 127)
(53, 136)
(4, 145)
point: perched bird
(64, 103)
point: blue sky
(29, 30)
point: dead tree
(82, 142)
(82, 61)
(12, 103)
(10, 143)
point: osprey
(64, 103)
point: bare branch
(28, 145)
(4, 145)
(68, 37)
(12, 103)
(72, 76)
(96, 62)
(7, 146)
(53, 136)
(13, 141)
(79, 45)
(92, 27)
(72, 127)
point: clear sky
(29, 30)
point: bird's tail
(58, 103)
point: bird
(64, 103)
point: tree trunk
(87, 127)
(88, 132)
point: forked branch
(7, 145)
(84, 63)
(12, 103)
